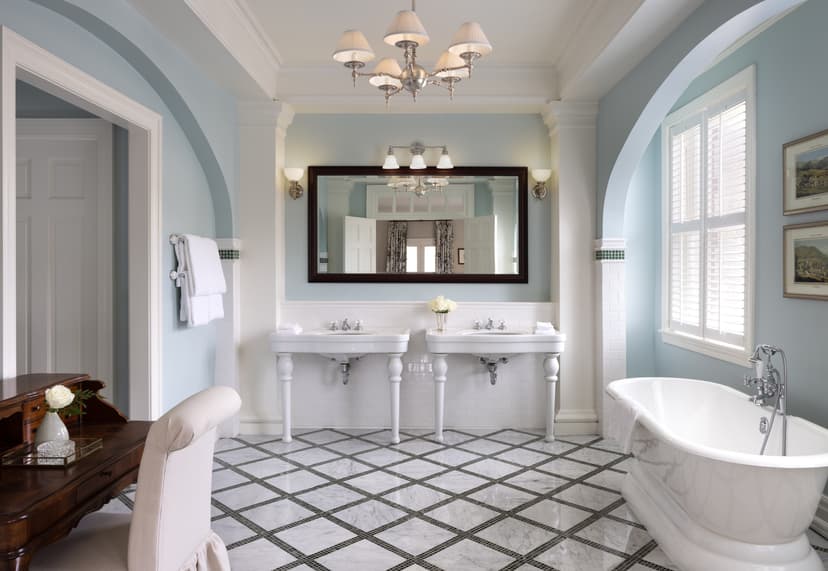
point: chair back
(171, 519)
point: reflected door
(479, 236)
(359, 245)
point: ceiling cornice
(373, 104)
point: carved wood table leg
(19, 563)
(550, 373)
(440, 368)
(284, 368)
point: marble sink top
(340, 344)
(493, 343)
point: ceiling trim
(374, 104)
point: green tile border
(604, 255)
(228, 254)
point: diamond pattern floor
(347, 500)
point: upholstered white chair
(169, 529)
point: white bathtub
(699, 485)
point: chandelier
(407, 33)
(419, 185)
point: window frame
(742, 82)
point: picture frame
(461, 256)
(805, 261)
(805, 174)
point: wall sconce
(541, 176)
(417, 159)
(294, 175)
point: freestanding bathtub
(699, 485)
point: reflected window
(421, 255)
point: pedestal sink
(493, 346)
(341, 346)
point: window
(421, 255)
(707, 165)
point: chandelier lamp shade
(417, 158)
(408, 33)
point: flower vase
(442, 318)
(51, 428)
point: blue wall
(792, 79)
(187, 202)
(472, 140)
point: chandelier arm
(442, 70)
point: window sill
(722, 351)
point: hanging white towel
(201, 280)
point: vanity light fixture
(407, 33)
(417, 159)
(294, 175)
(541, 176)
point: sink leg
(440, 368)
(284, 368)
(550, 373)
(395, 377)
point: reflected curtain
(444, 239)
(397, 242)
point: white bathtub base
(694, 548)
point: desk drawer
(108, 476)
(34, 409)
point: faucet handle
(476, 324)
(502, 325)
(332, 325)
(358, 325)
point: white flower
(441, 305)
(58, 397)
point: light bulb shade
(386, 68)
(445, 161)
(541, 175)
(353, 46)
(470, 38)
(293, 174)
(406, 27)
(449, 60)
(390, 162)
(417, 162)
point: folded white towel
(201, 280)
(544, 327)
(293, 328)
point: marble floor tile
(461, 514)
(369, 515)
(257, 438)
(279, 447)
(293, 482)
(608, 444)
(418, 447)
(590, 497)
(415, 497)
(230, 531)
(240, 455)
(276, 514)
(383, 437)
(330, 497)
(452, 457)
(523, 457)
(382, 457)
(223, 444)
(353, 446)
(417, 469)
(566, 468)
(361, 556)
(617, 535)
(259, 555)
(554, 447)
(658, 557)
(456, 482)
(311, 456)
(377, 482)
(513, 437)
(516, 535)
(608, 479)
(269, 467)
(572, 555)
(581, 438)
(491, 468)
(469, 556)
(598, 457)
(342, 468)
(537, 481)
(452, 437)
(554, 514)
(243, 496)
(483, 446)
(315, 535)
(323, 436)
(816, 539)
(415, 536)
(624, 512)
(623, 465)
(503, 497)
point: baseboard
(255, 426)
(821, 518)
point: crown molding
(374, 104)
(575, 114)
(274, 113)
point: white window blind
(706, 233)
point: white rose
(58, 397)
(441, 305)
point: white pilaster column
(611, 320)
(262, 131)
(228, 330)
(572, 130)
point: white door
(479, 242)
(64, 247)
(359, 245)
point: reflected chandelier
(407, 33)
(419, 185)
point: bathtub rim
(646, 418)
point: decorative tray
(55, 454)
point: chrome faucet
(345, 325)
(489, 323)
(770, 384)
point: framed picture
(461, 256)
(806, 174)
(805, 261)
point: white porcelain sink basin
(341, 345)
(493, 343)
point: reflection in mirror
(372, 225)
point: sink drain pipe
(491, 366)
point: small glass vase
(51, 428)
(442, 319)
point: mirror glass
(463, 224)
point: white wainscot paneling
(320, 398)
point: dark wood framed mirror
(464, 225)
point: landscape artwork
(806, 260)
(806, 174)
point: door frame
(22, 59)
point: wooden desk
(41, 505)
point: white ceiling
(544, 50)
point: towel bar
(174, 275)
(175, 239)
